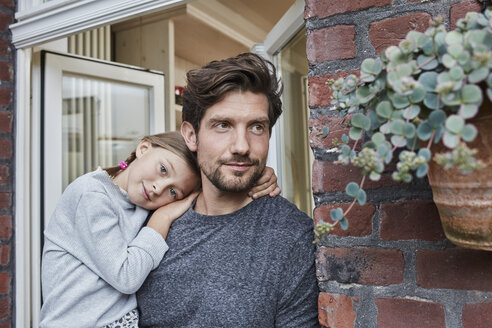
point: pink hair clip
(123, 165)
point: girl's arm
(266, 185)
(164, 216)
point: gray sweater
(253, 268)
(95, 256)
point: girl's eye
(173, 192)
(163, 169)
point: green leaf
(345, 150)
(456, 73)
(427, 62)
(478, 75)
(371, 66)
(374, 176)
(352, 189)
(398, 141)
(361, 121)
(431, 100)
(424, 131)
(345, 138)
(489, 80)
(448, 61)
(355, 133)
(344, 224)
(428, 80)
(361, 197)
(454, 37)
(417, 95)
(471, 94)
(469, 132)
(326, 130)
(399, 101)
(455, 124)
(422, 170)
(378, 138)
(364, 94)
(437, 118)
(468, 110)
(425, 153)
(450, 140)
(397, 126)
(336, 214)
(409, 130)
(411, 112)
(384, 109)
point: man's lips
(239, 166)
(145, 193)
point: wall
(7, 113)
(393, 267)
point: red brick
(5, 200)
(320, 92)
(331, 43)
(460, 9)
(415, 219)
(359, 217)
(5, 21)
(391, 31)
(5, 96)
(4, 307)
(367, 266)
(478, 315)
(5, 226)
(5, 121)
(328, 176)
(5, 148)
(337, 310)
(4, 254)
(338, 127)
(5, 324)
(455, 268)
(8, 3)
(4, 283)
(406, 313)
(6, 71)
(327, 8)
(4, 47)
(4, 174)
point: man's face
(232, 142)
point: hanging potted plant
(425, 104)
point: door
(86, 113)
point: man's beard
(234, 183)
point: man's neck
(213, 201)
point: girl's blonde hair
(172, 141)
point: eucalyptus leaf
(399, 101)
(361, 197)
(469, 132)
(352, 189)
(345, 138)
(344, 224)
(336, 214)
(455, 124)
(398, 141)
(417, 95)
(454, 37)
(384, 109)
(364, 94)
(431, 100)
(378, 138)
(355, 133)
(468, 110)
(422, 170)
(428, 80)
(409, 130)
(478, 75)
(427, 62)
(450, 140)
(361, 121)
(397, 127)
(374, 176)
(424, 131)
(437, 118)
(425, 153)
(411, 112)
(471, 94)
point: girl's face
(156, 177)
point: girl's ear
(189, 135)
(142, 147)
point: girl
(96, 254)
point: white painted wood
(286, 28)
(72, 17)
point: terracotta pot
(465, 201)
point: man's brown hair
(208, 85)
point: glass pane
(102, 122)
(296, 153)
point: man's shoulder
(283, 214)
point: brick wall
(393, 267)
(7, 56)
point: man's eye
(222, 125)
(173, 192)
(258, 128)
(163, 169)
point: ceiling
(215, 29)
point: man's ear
(142, 147)
(189, 135)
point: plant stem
(355, 199)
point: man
(233, 261)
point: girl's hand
(266, 185)
(164, 216)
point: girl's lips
(145, 193)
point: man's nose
(240, 144)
